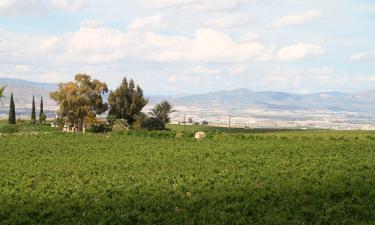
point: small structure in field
(200, 135)
(70, 129)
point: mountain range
(24, 90)
(232, 99)
(268, 100)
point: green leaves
(126, 101)
(2, 92)
(162, 111)
(80, 99)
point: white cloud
(299, 51)
(94, 23)
(173, 79)
(207, 52)
(14, 7)
(249, 36)
(52, 77)
(229, 21)
(97, 44)
(206, 46)
(18, 48)
(186, 79)
(298, 19)
(148, 23)
(199, 5)
(69, 5)
(23, 68)
(300, 77)
(320, 73)
(205, 70)
(92, 44)
(364, 57)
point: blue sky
(193, 46)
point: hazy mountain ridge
(240, 98)
(24, 90)
(243, 98)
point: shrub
(21, 122)
(120, 125)
(60, 122)
(100, 128)
(152, 124)
(139, 119)
(91, 121)
(111, 119)
(152, 134)
(35, 128)
(8, 129)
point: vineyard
(285, 177)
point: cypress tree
(33, 114)
(41, 112)
(12, 111)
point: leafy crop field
(312, 177)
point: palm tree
(162, 111)
(2, 92)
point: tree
(33, 114)
(80, 99)
(126, 102)
(42, 117)
(2, 92)
(12, 111)
(162, 111)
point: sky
(193, 46)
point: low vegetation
(140, 177)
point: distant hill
(24, 90)
(244, 98)
(240, 98)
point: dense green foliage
(313, 177)
(80, 99)
(12, 111)
(24, 128)
(99, 128)
(9, 128)
(152, 124)
(126, 102)
(162, 111)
